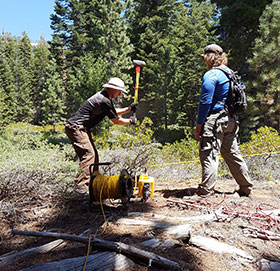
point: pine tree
(96, 29)
(8, 109)
(24, 65)
(151, 27)
(238, 28)
(265, 64)
(88, 77)
(170, 36)
(40, 63)
(52, 106)
(193, 33)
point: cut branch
(14, 257)
(108, 245)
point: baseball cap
(213, 48)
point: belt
(74, 126)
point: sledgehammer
(138, 64)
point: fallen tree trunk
(200, 218)
(146, 223)
(17, 256)
(178, 231)
(109, 245)
(109, 261)
(213, 245)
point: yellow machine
(120, 186)
(145, 186)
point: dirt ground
(71, 215)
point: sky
(32, 16)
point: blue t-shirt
(214, 90)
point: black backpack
(236, 101)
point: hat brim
(114, 87)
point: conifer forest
(94, 40)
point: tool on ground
(138, 64)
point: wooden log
(200, 218)
(109, 245)
(12, 258)
(99, 262)
(145, 223)
(210, 244)
(154, 243)
(179, 231)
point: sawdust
(72, 216)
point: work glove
(133, 120)
(133, 107)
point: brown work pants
(220, 136)
(84, 146)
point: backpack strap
(228, 72)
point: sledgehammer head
(140, 63)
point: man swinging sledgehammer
(93, 111)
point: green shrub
(265, 140)
(184, 150)
(171, 134)
(29, 164)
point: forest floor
(69, 213)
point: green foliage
(265, 88)
(265, 141)
(239, 32)
(173, 133)
(184, 150)
(139, 135)
(86, 79)
(30, 166)
(53, 107)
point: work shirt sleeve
(208, 86)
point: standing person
(94, 110)
(216, 129)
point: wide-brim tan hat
(116, 83)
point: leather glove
(133, 120)
(133, 107)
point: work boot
(242, 193)
(201, 192)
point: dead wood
(200, 218)
(146, 223)
(210, 244)
(254, 232)
(109, 245)
(155, 243)
(101, 261)
(178, 231)
(11, 258)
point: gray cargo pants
(220, 136)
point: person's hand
(197, 132)
(133, 107)
(133, 120)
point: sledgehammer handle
(136, 83)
